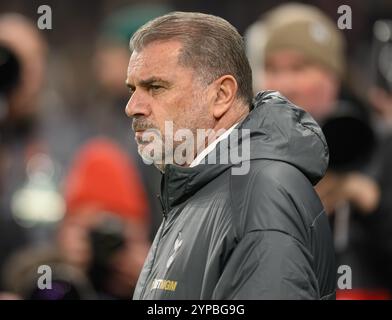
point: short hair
(211, 46)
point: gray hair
(211, 45)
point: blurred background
(76, 196)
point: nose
(137, 105)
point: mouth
(145, 132)
(142, 138)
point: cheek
(317, 92)
(160, 112)
(166, 123)
(320, 82)
(308, 89)
(179, 106)
(172, 110)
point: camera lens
(9, 70)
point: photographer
(303, 56)
(105, 231)
(22, 63)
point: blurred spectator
(102, 241)
(380, 97)
(21, 36)
(20, 277)
(302, 55)
(380, 94)
(105, 231)
(303, 58)
(38, 137)
(20, 143)
(112, 52)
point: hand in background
(382, 103)
(353, 187)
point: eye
(131, 91)
(155, 87)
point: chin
(149, 155)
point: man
(20, 124)
(257, 233)
(304, 59)
(105, 230)
(302, 56)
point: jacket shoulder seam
(279, 231)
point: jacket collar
(278, 130)
(178, 184)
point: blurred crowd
(75, 195)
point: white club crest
(177, 245)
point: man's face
(164, 91)
(308, 85)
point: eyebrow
(148, 82)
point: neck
(222, 125)
(233, 116)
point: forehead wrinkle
(158, 60)
(157, 51)
(135, 63)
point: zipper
(163, 206)
(157, 246)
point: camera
(9, 77)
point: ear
(225, 93)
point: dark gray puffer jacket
(260, 235)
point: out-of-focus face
(21, 37)
(310, 86)
(162, 91)
(125, 263)
(109, 64)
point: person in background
(297, 50)
(40, 137)
(106, 228)
(101, 243)
(380, 97)
(24, 56)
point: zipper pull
(163, 207)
